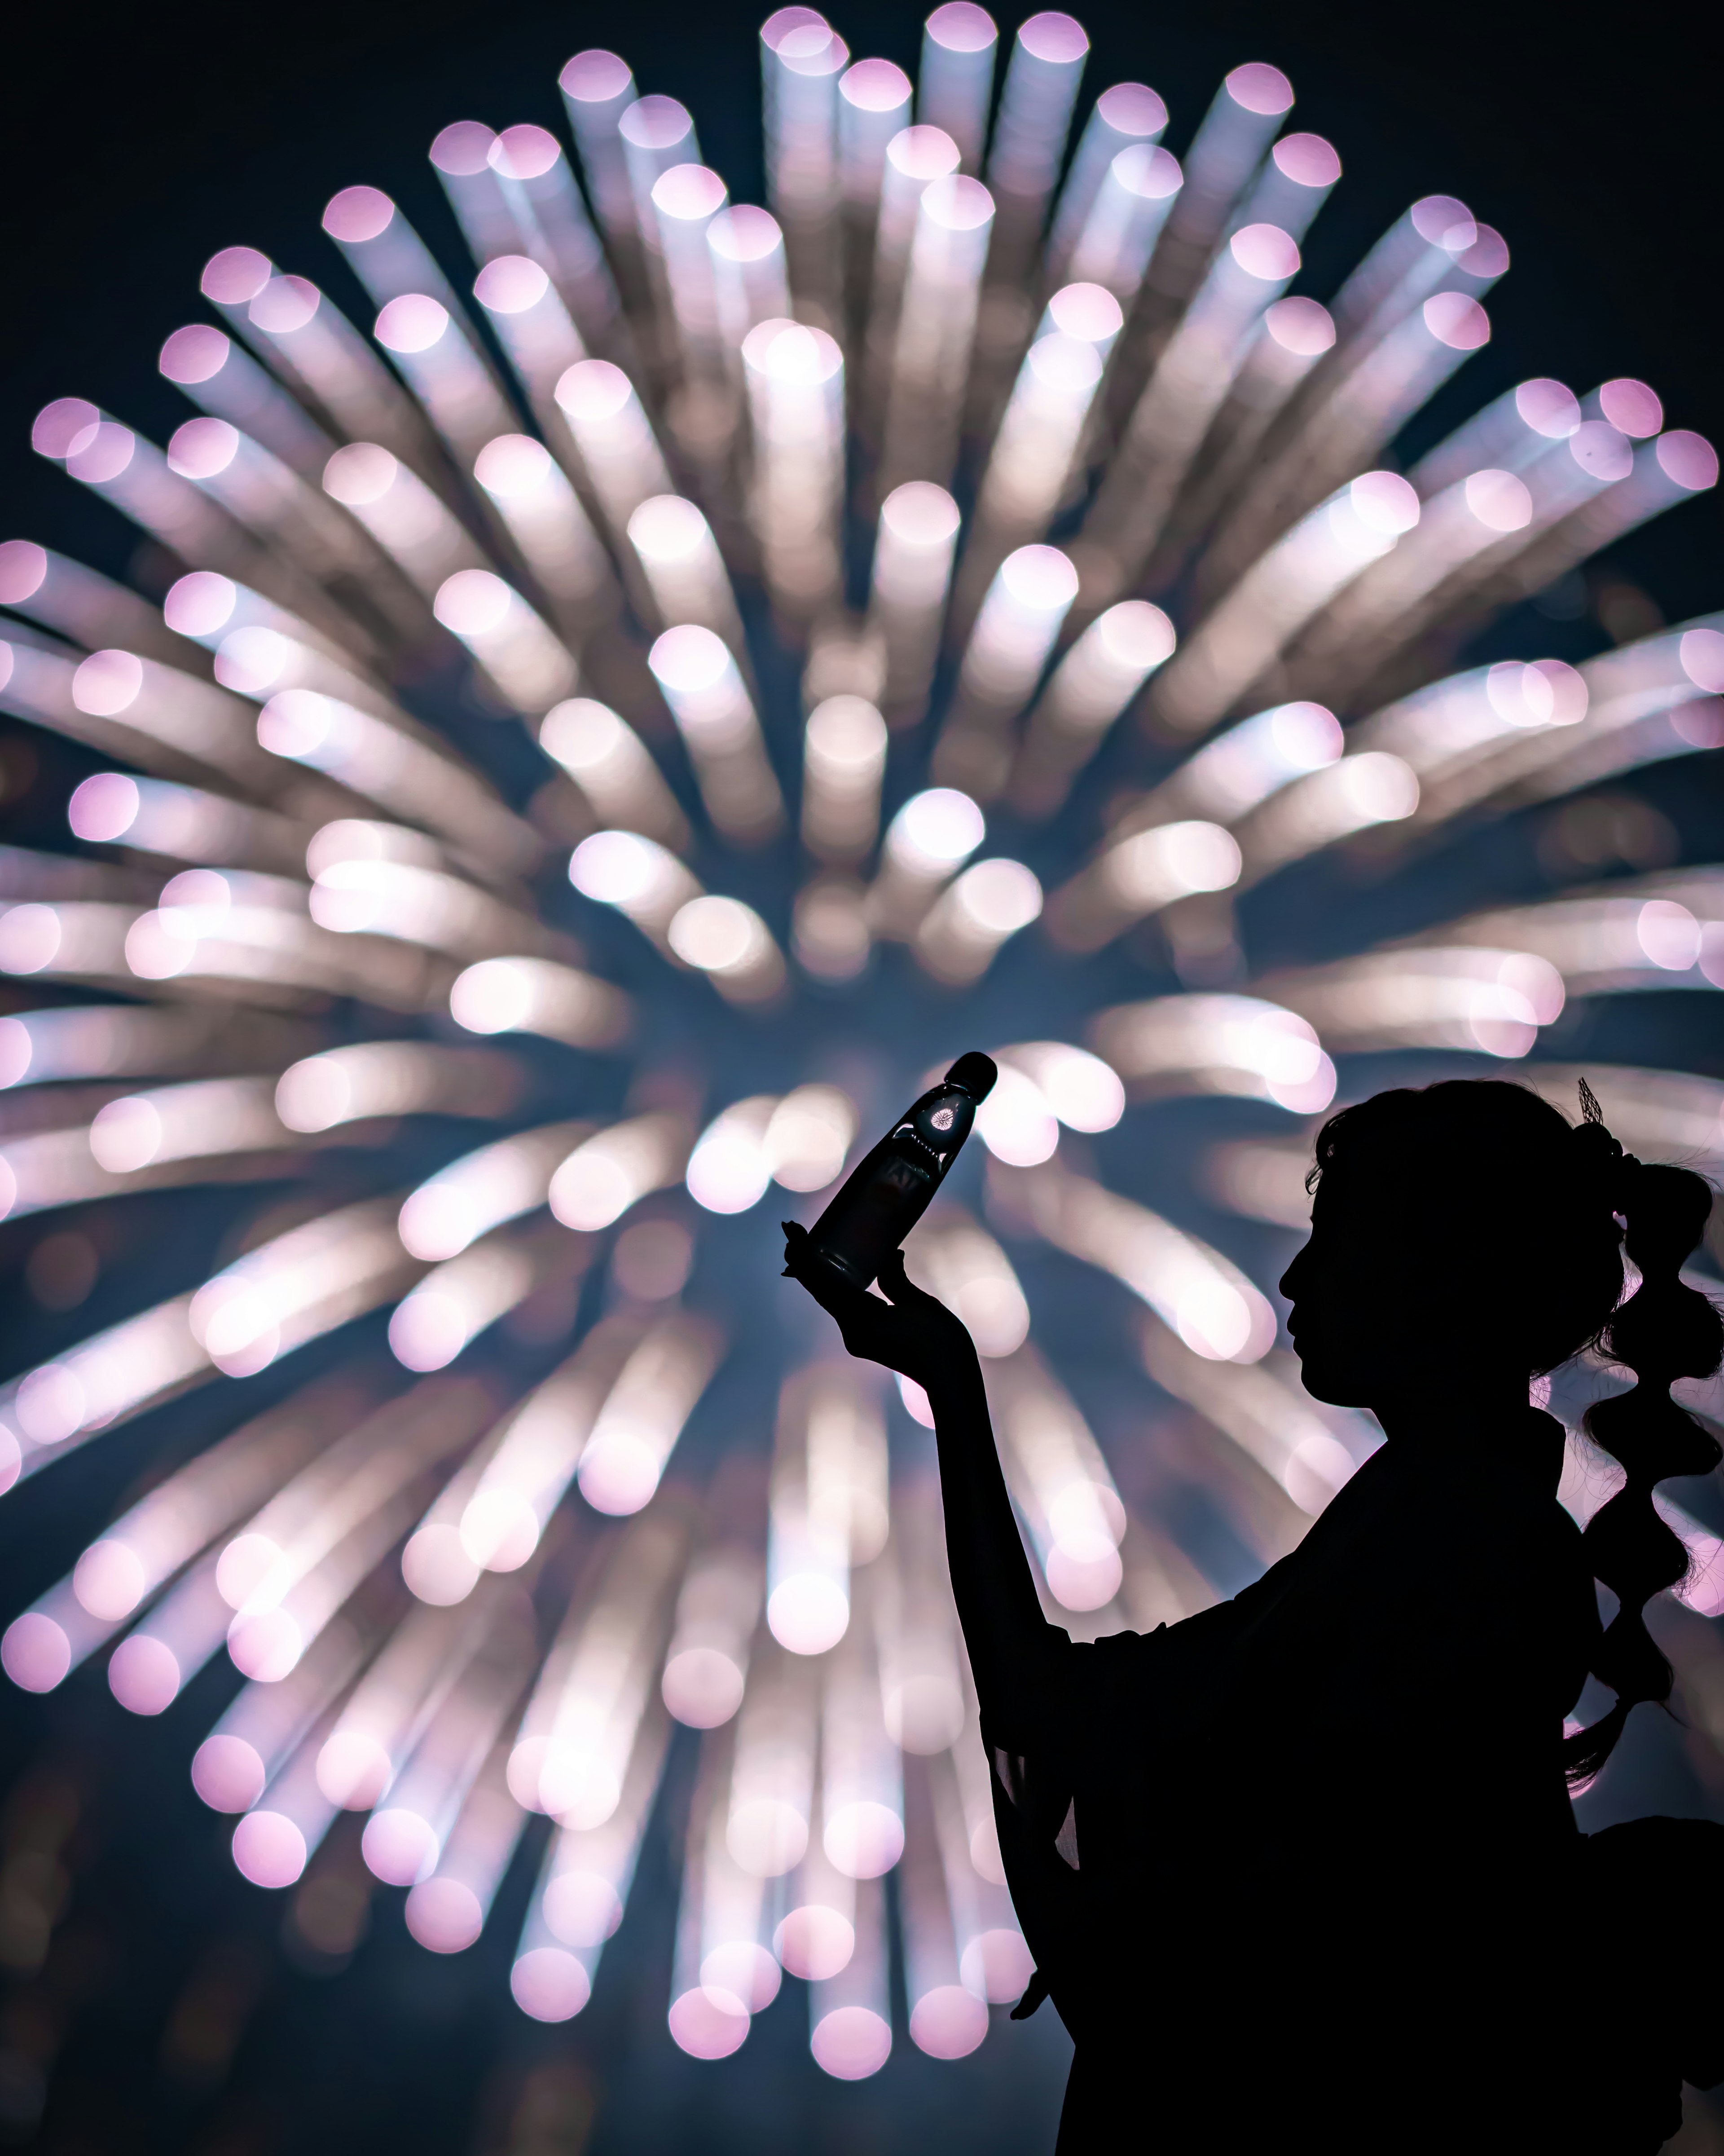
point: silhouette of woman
(1303, 1868)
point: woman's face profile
(1362, 1321)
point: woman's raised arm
(1011, 1645)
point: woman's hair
(1545, 1210)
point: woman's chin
(1335, 1385)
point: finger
(834, 1295)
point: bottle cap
(975, 1073)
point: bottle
(888, 1191)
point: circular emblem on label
(942, 1119)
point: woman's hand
(912, 1331)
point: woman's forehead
(1373, 1175)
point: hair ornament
(1619, 1171)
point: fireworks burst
(590, 722)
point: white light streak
(612, 767)
(976, 913)
(608, 1173)
(716, 719)
(482, 1189)
(1208, 1303)
(537, 995)
(1021, 617)
(1231, 1045)
(508, 640)
(1088, 691)
(912, 567)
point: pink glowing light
(708, 2024)
(583, 1908)
(948, 2022)
(851, 2042)
(109, 1579)
(473, 601)
(1265, 251)
(785, 23)
(35, 1652)
(266, 1646)
(593, 390)
(808, 1614)
(269, 1849)
(1384, 501)
(1601, 451)
(815, 1942)
(1457, 321)
(444, 1915)
(550, 1983)
(102, 453)
(656, 123)
(1500, 500)
(1301, 325)
(923, 153)
(1444, 222)
(285, 305)
(463, 148)
(702, 1687)
(957, 203)
(1631, 407)
(354, 1769)
(228, 1773)
(1488, 257)
(875, 86)
(235, 276)
(414, 322)
(595, 77)
(689, 193)
(1261, 89)
(399, 1847)
(202, 448)
(1132, 108)
(23, 569)
(1307, 160)
(200, 604)
(1088, 311)
(620, 1473)
(1548, 408)
(1083, 1575)
(357, 214)
(510, 283)
(1060, 40)
(144, 1675)
(961, 28)
(524, 152)
(746, 234)
(998, 1965)
(1687, 458)
(1702, 654)
(62, 425)
(920, 513)
(864, 1840)
(194, 353)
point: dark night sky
(135, 141)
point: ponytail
(1664, 1331)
